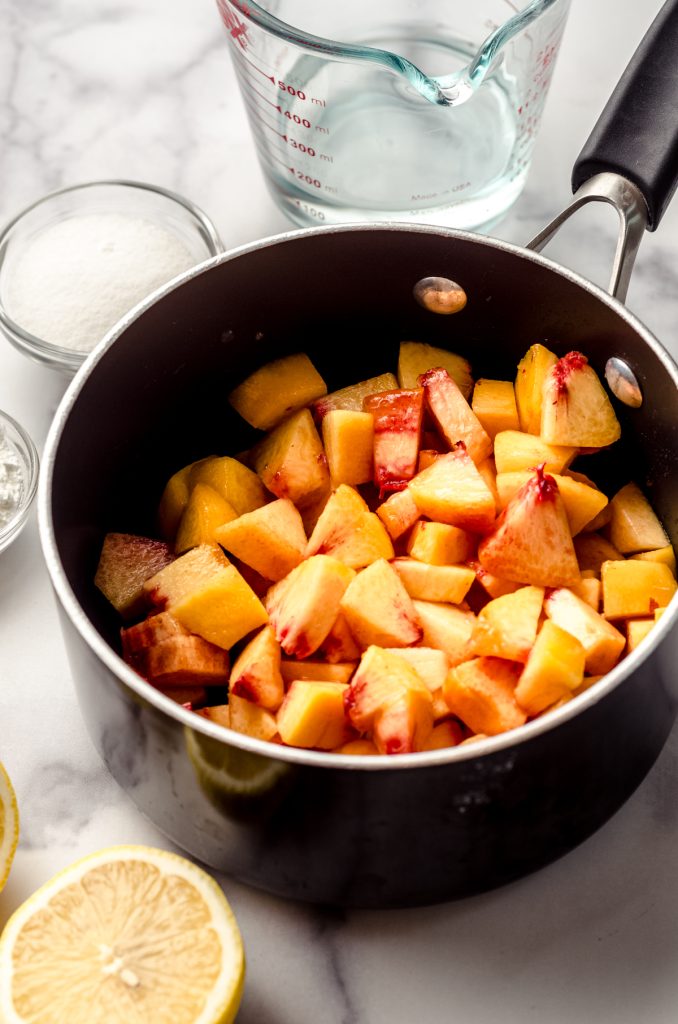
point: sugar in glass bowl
(73, 263)
(18, 478)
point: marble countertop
(145, 90)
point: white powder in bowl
(75, 278)
(11, 480)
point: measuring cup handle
(636, 136)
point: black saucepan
(344, 830)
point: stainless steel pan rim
(153, 697)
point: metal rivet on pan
(439, 295)
(623, 383)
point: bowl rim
(57, 355)
(491, 745)
(31, 463)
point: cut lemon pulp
(130, 935)
(9, 825)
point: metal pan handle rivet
(439, 295)
(623, 382)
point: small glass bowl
(17, 438)
(158, 205)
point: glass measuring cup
(427, 111)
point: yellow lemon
(129, 934)
(9, 825)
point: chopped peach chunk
(126, 562)
(452, 414)
(256, 673)
(320, 671)
(291, 462)
(445, 734)
(387, 697)
(447, 628)
(416, 357)
(205, 511)
(250, 719)
(430, 664)
(277, 389)
(666, 555)
(312, 715)
(592, 550)
(554, 669)
(398, 513)
(351, 398)
(582, 503)
(576, 410)
(440, 544)
(236, 484)
(494, 403)
(452, 491)
(516, 452)
(636, 631)
(397, 434)
(634, 527)
(481, 693)
(447, 583)
(532, 371)
(602, 643)
(349, 532)
(379, 610)
(348, 438)
(271, 539)
(304, 606)
(632, 588)
(507, 626)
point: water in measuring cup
(369, 146)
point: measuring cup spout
(451, 90)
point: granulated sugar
(11, 480)
(75, 278)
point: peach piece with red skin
(379, 610)
(452, 491)
(304, 605)
(397, 417)
(531, 542)
(452, 414)
(125, 563)
(256, 672)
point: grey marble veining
(144, 89)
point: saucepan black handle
(637, 133)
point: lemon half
(9, 825)
(130, 935)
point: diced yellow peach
(205, 511)
(387, 697)
(440, 708)
(494, 403)
(349, 532)
(351, 398)
(589, 590)
(658, 612)
(220, 714)
(291, 462)
(634, 526)
(250, 719)
(398, 513)
(507, 626)
(602, 643)
(398, 417)
(440, 544)
(312, 715)
(636, 631)
(153, 630)
(348, 438)
(172, 503)
(192, 571)
(481, 693)
(277, 389)
(223, 610)
(447, 628)
(271, 539)
(554, 669)
(256, 673)
(236, 484)
(532, 371)
(379, 610)
(452, 491)
(320, 671)
(664, 555)
(304, 605)
(632, 588)
(592, 550)
(416, 357)
(582, 503)
(431, 665)
(445, 734)
(493, 585)
(363, 748)
(447, 583)
(339, 644)
(575, 407)
(515, 452)
(453, 416)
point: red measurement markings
(252, 65)
(261, 96)
(282, 164)
(237, 28)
